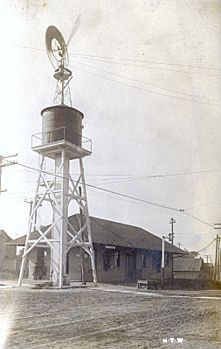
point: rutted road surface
(109, 318)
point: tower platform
(41, 144)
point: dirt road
(109, 318)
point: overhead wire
(197, 206)
(160, 175)
(150, 91)
(150, 62)
(145, 82)
(123, 195)
(132, 178)
(147, 90)
(196, 218)
(111, 61)
(27, 47)
(104, 189)
(204, 248)
(121, 59)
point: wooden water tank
(61, 122)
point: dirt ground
(109, 317)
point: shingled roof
(117, 234)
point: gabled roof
(117, 234)
(5, 235)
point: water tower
(61, 142)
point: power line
(125, 196)
(145, 82)
(197, 219)
(27, 47)
(204, 248)
(140, 177)
(146, 90)
(111, 61)
(149, 62)
(105, 190)
(123, 59)
(177, 97)
(186, 173)
(108, 180)
(137, 176)
(194, 207)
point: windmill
(57, 50)
(61, 141)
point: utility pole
(207, 258)
(4, 163)
(217, 259)
(1, 158)
(171, 238)
(217, 266)
(162, 261)
(171, 235)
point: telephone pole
(171, 235)
(217, 260)
(171, 239)
(162, 261)
(3, 163)
(217, 266)
(1, 157)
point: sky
(146, 75)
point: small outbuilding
(188, 267)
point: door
(131, 267)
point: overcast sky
(146, 75)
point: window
(167, 259)
(156, 261)
(144, 260)
(106, 260)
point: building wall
(206, 271)
(114, 264)
(7, 255)
(151, 265)
(190, 275)
(74, 264)
(37, 264)
(109, 269)
(123, 265)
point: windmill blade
(55, 46)
(74, 29)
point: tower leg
(21, 274)
(91, 249)
(60, 214)
(31, 223)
